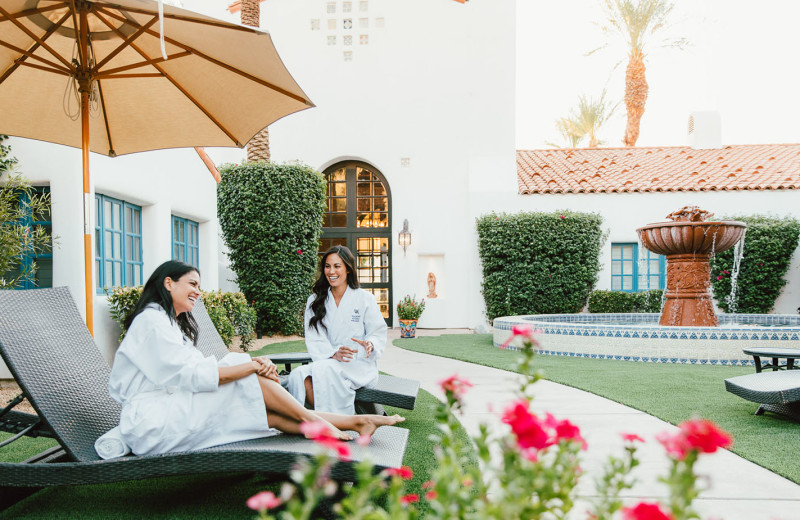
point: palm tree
(586, 120)
(635, 21)
(258, 146)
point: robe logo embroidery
(356, 316)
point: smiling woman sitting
(345, 336)
(175, 399)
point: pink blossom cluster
(455, 386)
(535, 434)
(696, 435)
(525, 331)
(321, 433)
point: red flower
(561, 216)
(404, 472)
(263, 501)
(409, 499)
(720, 277)
(299, 252)
(567, 431)
(631, 437)
(529, 431)
(705, 436)
(431, 495)
(645, 511)
(456, 386)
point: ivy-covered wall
(769, 245)
(538, 263)
(271, 220)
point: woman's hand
(266, 368)
(344, 354)
(366, 344)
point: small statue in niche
(431, 286)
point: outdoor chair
(389, 390)
(777, 392)
(58, 367)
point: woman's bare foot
(321, 427)
(369, 423)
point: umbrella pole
(87, 213)
(85, 87)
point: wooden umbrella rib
(29, 12)
(30, 51)
(74, 12)
(117, 70)
(35, 38)
(41, 67)
(24, 53)
(105, 119)
(125, 41)
(221, 64)
(183, 91)
(129, 76)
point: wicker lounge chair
(390, 390)
(777, 392)
(60, 370)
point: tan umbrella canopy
(91, 74)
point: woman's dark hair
(321, 286)
(155, 292)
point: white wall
(435, 85)
(162, 182)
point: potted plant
(408, 312)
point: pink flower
(526, 426)
(300, 252)
(456, 386)
(363, 440)
(720, 277)
(631, 437)
(404, 472)
(428, 485)
(526, 331)
(431, 495)
(698, 435)
(561, 216)
(565, 430)
(409, 499)
(645, 511)
(319, 432)
(263, 501)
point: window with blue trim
(185, 241)
(118, 243)
(42, 275)
(636, 269)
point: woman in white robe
(175, 399)
(345, 336)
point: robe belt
(153, 393)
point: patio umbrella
(114, 77)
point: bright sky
(742, 62)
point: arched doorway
(358, 216)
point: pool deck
(735, 488)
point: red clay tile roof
(668, 168)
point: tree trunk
(258, 146)
(635, 96)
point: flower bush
(409, 308)
(536, 477)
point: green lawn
(217, 496)
(668, 391)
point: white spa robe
(335, 382)
(170, 393)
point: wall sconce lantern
(404, 237)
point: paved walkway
(736, 488)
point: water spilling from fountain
(687, 330)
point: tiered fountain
(688, 243)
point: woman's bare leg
(309, 384)
(281, 403)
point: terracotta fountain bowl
(675, 238)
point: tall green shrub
(769, 245)
(538, 263)
(271, 219)
(625, 302)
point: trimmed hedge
(228, 311)
(271, 220)
(769, 245)
(625, 302)
(538, 263)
